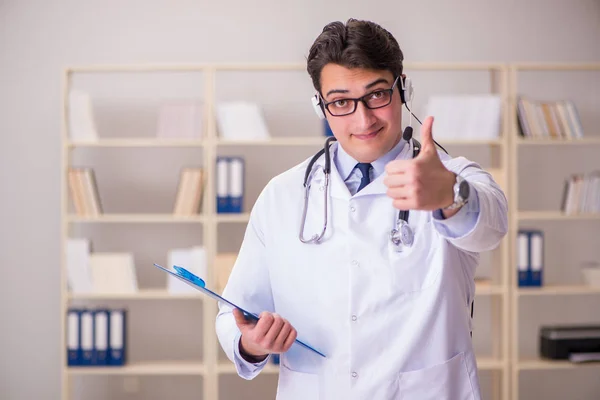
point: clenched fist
(421, 183)
(271, 334)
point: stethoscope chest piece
(402, 236)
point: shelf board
(554, 216)
(280, 141)
(137, 218)
(143, 368)
(487, 288)
(144, 294)
(539, 363)
(560, 142)
(549, 290)
(489, 363)
(232, 218)
(138, 142)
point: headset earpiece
(316, 102)
(406, 89)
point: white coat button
(354, 262)
(354, 374)
(352, 209)
(354, 318)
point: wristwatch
(461, 190)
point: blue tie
(364, 170)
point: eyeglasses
(377, 99)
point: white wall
(39, 38)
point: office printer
(577, 343)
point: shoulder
(287, 183)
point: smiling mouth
(368, 136)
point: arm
(249, 287)
(480, 224)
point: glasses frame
(362, 99)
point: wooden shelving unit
(519, 143)
(210, 367)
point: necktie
(364, 170)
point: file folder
(223, 205)
(536, 243)
(73, 337)
(116, 343)
(523, 259)
(87, 337)
(101, 332)
(198, 283)
(236, 184)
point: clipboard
(198, 283)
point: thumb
(427, 143)
(240, 320)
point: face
(366, 134)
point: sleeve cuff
(244, 368)
(462, 222)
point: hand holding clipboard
(198, 283)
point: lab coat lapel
(337, 187)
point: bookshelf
(493, 290)
(550, 218)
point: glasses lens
(379, 99)
(341, 107)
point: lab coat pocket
(414, 268)
(446, 381)
(294, 385)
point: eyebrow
(369, 86)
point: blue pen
(190, 278)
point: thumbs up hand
(423, 182)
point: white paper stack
(79, 277)
(82, 126)
(113, 273)
(194, 260)
(471, 117)
(240, 120)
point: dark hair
(357, 44)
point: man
(392, 324)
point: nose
(364, 117)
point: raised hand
(421, 183)
(271, 334)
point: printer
(576, 343)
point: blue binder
(530, 258)
(87, 337)
(73, 337)
(223, 204)
(236, 184)
(117, 343)
(101, 334)
(195, 281)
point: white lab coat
(393, 325)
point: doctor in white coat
(392, 324)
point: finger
(398, 180)
(427, 143)
(398, 166)
(400, 193)
(269, 339)
(289, 341)
(404, 204)
(263, 325)
(282, 337)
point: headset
(407, 93)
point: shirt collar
(345, 163)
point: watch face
(463, 190)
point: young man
(392, 324)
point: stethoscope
(401, 235)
